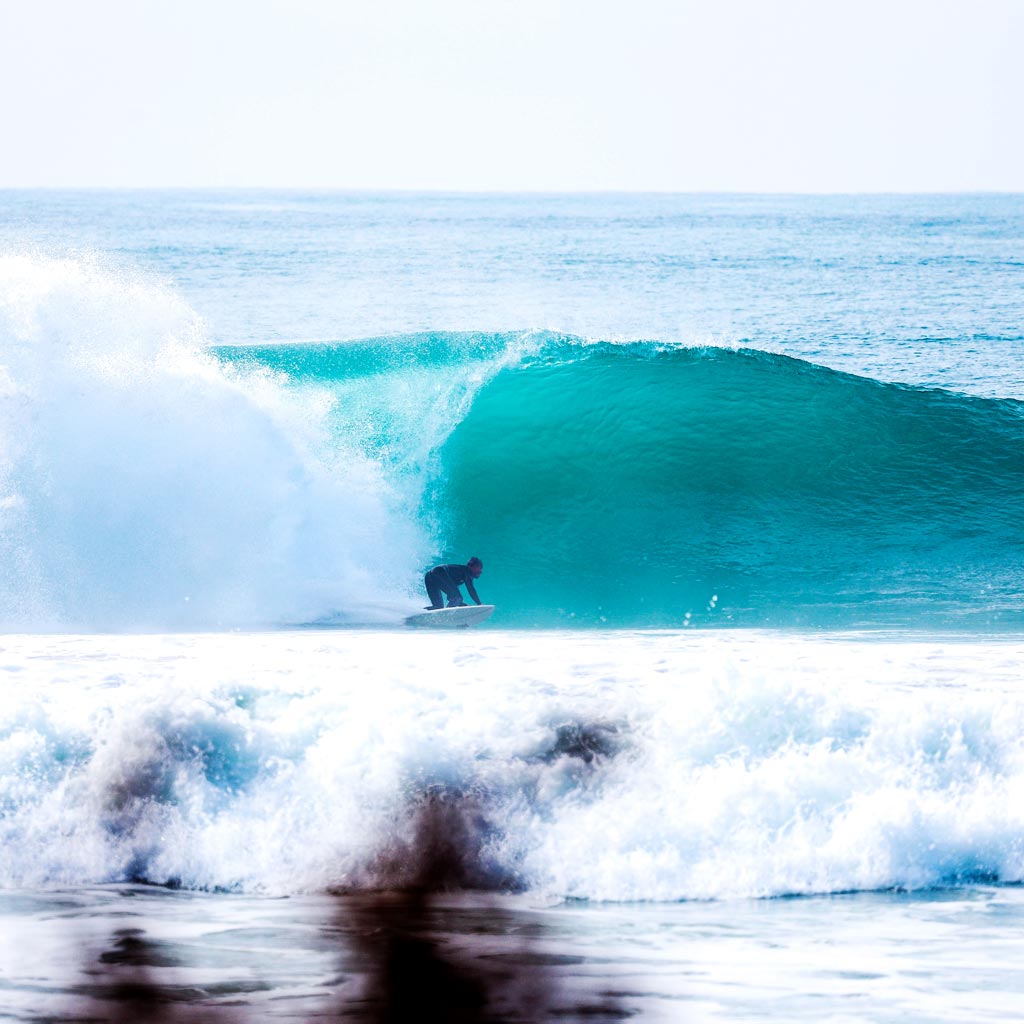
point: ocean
(744, 738)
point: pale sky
(550, 95)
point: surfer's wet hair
(474, 562)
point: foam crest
(841, 798)
(660, 767)
(145, 484)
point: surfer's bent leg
(430, 581)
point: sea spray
(146, 484)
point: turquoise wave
(645, 485)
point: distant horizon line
(366, 191)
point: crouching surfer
(447, 579)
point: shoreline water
(121, 952)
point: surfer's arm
(472, 590)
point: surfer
(448, 579)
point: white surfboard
(452, 618)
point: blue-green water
(920, 289)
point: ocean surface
(744, 739)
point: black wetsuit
(448, 578)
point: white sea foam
(599, 766)
(143, 483)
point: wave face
(640, 485)
(644, 485)
(150, 481)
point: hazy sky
(763, 95)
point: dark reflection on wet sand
(424, 934)
(463, 964)
(141, 954)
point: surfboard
(452, 618)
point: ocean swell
(639, 484)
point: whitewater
(744, 737)
(210, 762)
